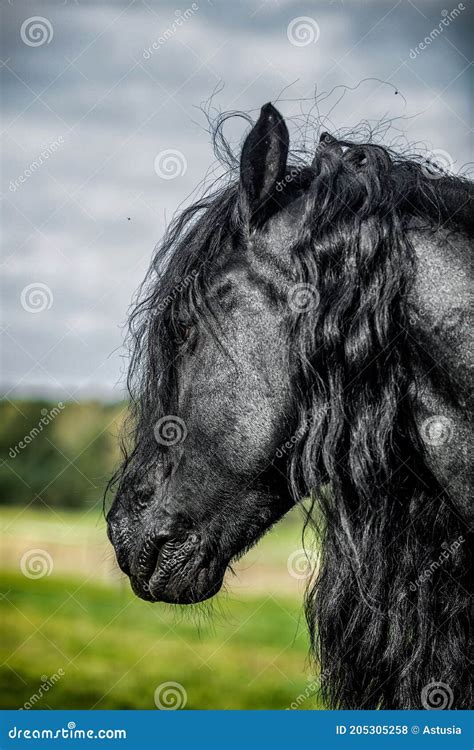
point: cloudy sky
(95, 92)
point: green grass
(247, 650)
(82, 618)
(115, 650)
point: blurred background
(104, 137)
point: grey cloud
(85, 222)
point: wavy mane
(385, 517)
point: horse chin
(183, 590)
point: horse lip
(155, 561)
(173, 556)
(184, 574)
(175, 570)
(164, 561)
(192, 588)
(145, 563)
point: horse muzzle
(176, 570)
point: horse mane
(379, 641)
(384, 515)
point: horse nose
(110, 532)
(119, 538)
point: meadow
(73, 634)
(68, 617)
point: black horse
(320, 307)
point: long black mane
(385, 517)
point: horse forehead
(263, 262)
(250, 284)
(263, 265)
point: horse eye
(184, 330)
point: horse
(320, 305)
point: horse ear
(263, 159)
